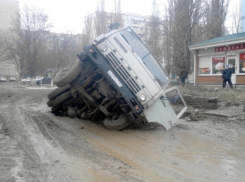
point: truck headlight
(103, 47)
(142, 97)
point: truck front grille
(124, 74)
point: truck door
(167, 109)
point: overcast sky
(68, 14)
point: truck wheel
(58, 91)
(116, 124)
(71, 112)
(49, 103)
(55, 109)
(62, 98)
(70, 75)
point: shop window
(204, 65)
(218, 64)
(242, 63)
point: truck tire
(70, 75)
(49, 103)
(71, 112)
(116, 124)
(58, 91)
(62, 98)
(55, 109)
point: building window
(218, 64)
(204, 65)
(242, 63)
(136, 22)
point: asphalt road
(35, 145)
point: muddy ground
(37, 146)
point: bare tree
(3, 56)
(63, 49)
(26, 43)
(188, 22)
(87, 30)
(101, 19)
(116, 15)
(167, 44)
(155, 38)
(236, 20)
(215, 18)
(14, 52)
(181, 19)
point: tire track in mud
(41, 160)
(103, 140)
(127, 146)
(3, 129)
(17, 127)
(54, 162)
(169, 141)
(15, 110)
(7, 161)
(112, 143)
(41, 150)
(13, 157)
(42, 123)
(101, 165)
(58, 165)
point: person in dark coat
(226, 75)
(183, 75)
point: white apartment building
(8, 11)
(137, 22)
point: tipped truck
(118, 80)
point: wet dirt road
(38, 146)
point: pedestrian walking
(183, 75)
(226, 75)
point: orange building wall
(240, 79)
(209, 79)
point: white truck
(118, 80)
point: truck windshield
(146, 56)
